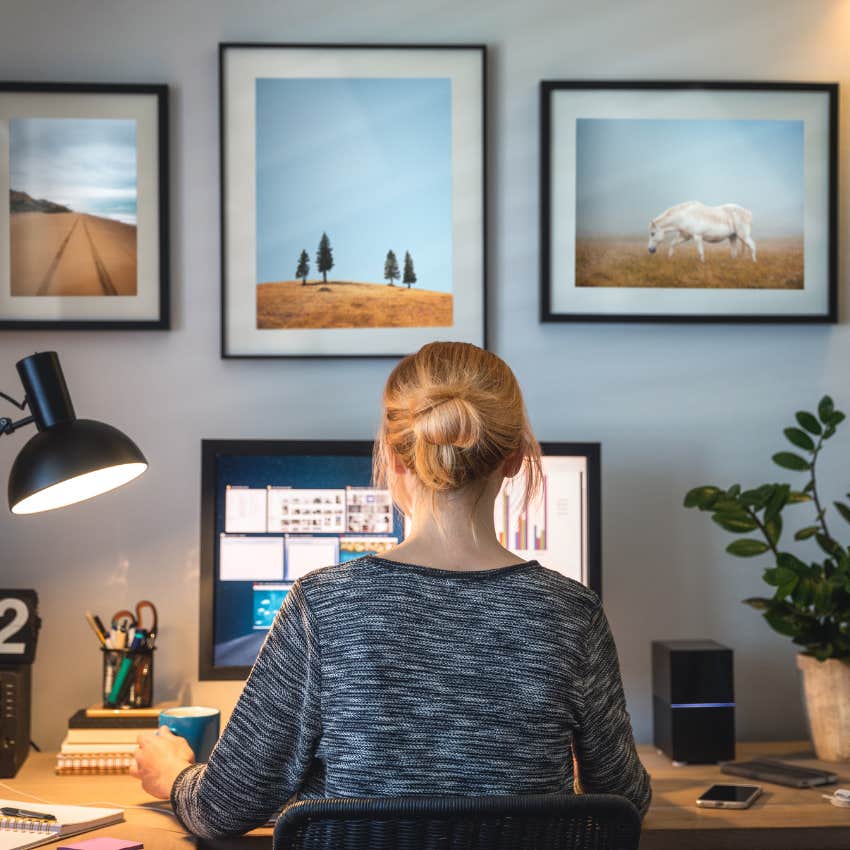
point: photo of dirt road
(71, 254)
(72, 207)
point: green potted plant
(811, 599)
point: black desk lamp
(69, 459)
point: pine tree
(303, 268)
(324, 257)
(409, 274)
(391, 270)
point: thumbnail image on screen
(278, 518)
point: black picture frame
(478, 334)
(212, 448)
(156, 317)
(827, 312)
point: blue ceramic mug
(197, 724)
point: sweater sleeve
(604, 743)
(267, 747)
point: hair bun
(453, 412)
(447, 417)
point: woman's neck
(458, 534)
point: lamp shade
(71, 462)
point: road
(71, 254)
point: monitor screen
(274, 510)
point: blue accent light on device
(702, 705)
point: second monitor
(273, 510)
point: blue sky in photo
(87, 164)
(369, 162)
(629, 171)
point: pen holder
(127, 678)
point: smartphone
(729, 796)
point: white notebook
(21, 833)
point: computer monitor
(273, 510)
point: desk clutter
(101, 740)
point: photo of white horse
(695, 221)
(742, 230)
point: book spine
(93, 763)
(27, 824)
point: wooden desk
(781, 819)
(154, 825)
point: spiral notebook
(21, 833)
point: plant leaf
(791, 562)
(795, 497)
(807, 532)
(843, 510)
(836, 419)
(808, 421)
(773, 528)
(736, 523)
(786, 589)
(780, 623)
(800, 439)
(759, 603)
(776, 502)
(702, 497)
(747, 547)
(825, 409)
(726, 505)
(789, 460)
(828, 544)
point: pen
(120, 677)
(8, 811)
(91, 621)
(100, 626)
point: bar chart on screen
(553, 527)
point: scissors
(136, 621)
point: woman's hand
(161, 756)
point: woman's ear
(512, 464)
(398, 467)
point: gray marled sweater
(381, 678)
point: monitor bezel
(212, 448)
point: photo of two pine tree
(350, 304)
(355, 228)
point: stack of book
(103, 740)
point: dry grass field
(348, 304)
(626, 262)
(71, 254)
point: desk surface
(782, 818)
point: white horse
(694, 220)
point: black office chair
(529, 822)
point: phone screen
(729, 793)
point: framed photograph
(84, 232)
(688, 202)
(353, 209)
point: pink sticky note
(103, 844)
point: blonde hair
(452, 414)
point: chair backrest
(523, 822)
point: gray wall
(674, 406)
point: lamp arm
(7, 425)
(21, 405)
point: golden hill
(349, 304)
